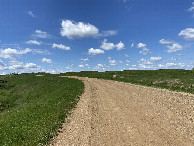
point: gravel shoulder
(115, 113)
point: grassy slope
(32, 108)
(178, 80)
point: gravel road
(122, 114)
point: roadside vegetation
(173, 79)
(33, 108)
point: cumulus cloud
(107, 46)
(60, 46)
(112, 62)
(15, 52)
(145, 62)
(2, 65)
(30, 65)
(132, 45)
(45, 60)
(144, 49)
(120, 46)
(155, 58)
(187, 33)
(99, 67)
(171, 45)
(72, 29)
(109, 58)
(92, 51)
(33, 42)
(41, 34)
(141, 45)
(191, 9)
(17, 65)
(30, 13)
(10, 53)
(81, 66)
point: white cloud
(155, 58)
(15, 52)
(142, 60)
(60, 46)
(100, 65)
(107, 46)
(126, 55)
(45, 60)
(10, 53)
(2, 65)
(187, 33)
(87, 65)
(81, 66)
(84, 59)
(173, 59)
(70, 67)
(120, 46)
(164, 42)
(16, 65)
(55, 71)
(144, 49)
(128, 61)
(33, 42)
(145, 62)
(172, 47)
(42, 52)
(127, 64)
(112, 62)
(30, 13)
(191, 8)
(132, 45)
(109, 58)
(141, 45)
(92, 51)
(41, 34)
(72, 29)
(170, 64)
(30, 65)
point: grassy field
(33, 108)
(178, 80)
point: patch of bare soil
(115, 113)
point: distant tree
(193, 68)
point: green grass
(178, 80)
(33, 108)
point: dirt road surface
(113, 113)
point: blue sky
(71, 35)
